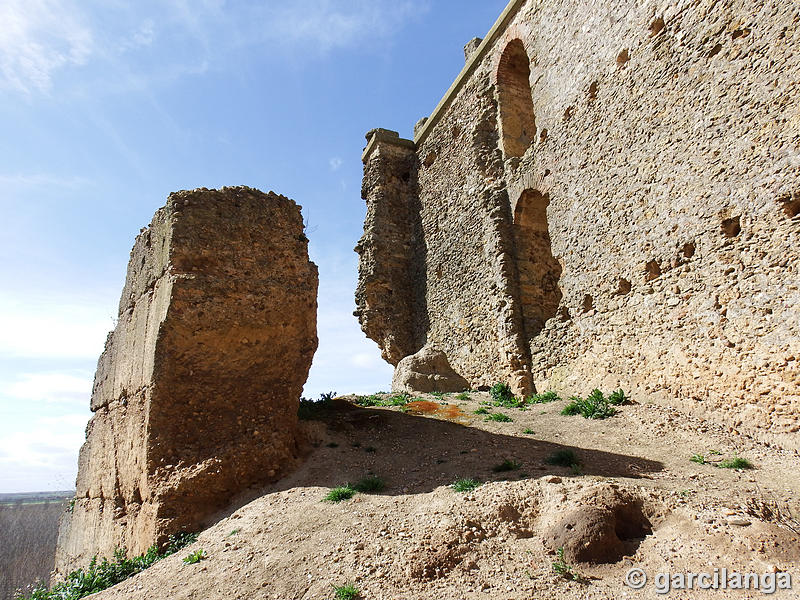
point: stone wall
(638, 229)
(196, 394)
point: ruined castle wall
(196, 393)
(665, 158)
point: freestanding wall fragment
(196, 393)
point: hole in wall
(714, 51)
(657, 26)
(543, 135)
(406, 177)
(456, 131)
(517, 119)
(743, 32)
(429, 159)
(623, 57)
(623, 287)
(588, 303)
(652, 270)
(790, 204)
(593, 91)
(568, 113)
(731, 227)
(538, 270)
(688, 250)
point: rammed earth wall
(635, 224)
(196, 394)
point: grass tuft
(737, 462)
(347, 592)
(543, 398)
(482, 411)
(195, 557)
(499, 417)
(563, 458)
(338, 494)
(371, 484)
(506, 465)
(465, 484)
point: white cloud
(335, 163)
(52, 328)
(61, 387)
(328, 24)
(42, 456)
(38, 38)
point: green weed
(464, 484)
(698, 458)
(463, 396)
(347, 592)
(563, 458)
(506, 465)
(338, 494)
(195, 557)
(543, 398)
(499, 417)
(369, 485)
(594, 406)
(482, 411)
(528, 431)
(101, 575)
(736, 462)
(561, 567)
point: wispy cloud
(52, 387)
(37, 38)
(42, 456)
(64, 327)
(335, 163)
(40, 38)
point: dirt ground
(420, 539)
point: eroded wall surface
(196, 394)
(646, 236)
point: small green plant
(464, 484)
(378, 400)
(561, 567)
(594, 406)
(101, 575)
(310, 409)
(714, 453)
(463, 396)
(503, 396)
(543, 398)
(347, 592)
(576, 469)
(563, 458)
(528, 431)
(499, 417)
(338, 494)
(506, 465)
(234, 532)
(617, 397)
(482, 411)
(369, 485)
(698, 458)
(737, 462)
(195, 557)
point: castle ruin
(607, 196)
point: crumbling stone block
(196, 393)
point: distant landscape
(28, 531)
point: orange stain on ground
(449, 412)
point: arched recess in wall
(539, 271)
(517, 121)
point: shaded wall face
(666, 145)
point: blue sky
(107, 106)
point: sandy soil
(421, 539)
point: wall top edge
(384, 136)
(495, 32)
